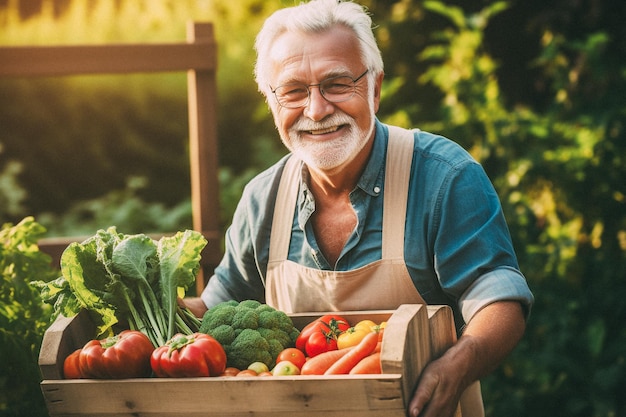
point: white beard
(328, 155)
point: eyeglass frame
(318, 85)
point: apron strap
(284, 209)
(397, 174)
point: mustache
(303, 124)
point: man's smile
(324, 131)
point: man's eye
(293, 90)
(338, 86)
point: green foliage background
(23, 317)
(534, 90)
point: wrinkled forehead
(298, 54)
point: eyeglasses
(333, 89)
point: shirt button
(377, 190)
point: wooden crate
(414, 335)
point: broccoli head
(275, 347)
(251, 304)
(217, 316)
(249, 347)
(276, 334)
(275, 320)
(249, 331)
(225, 334)
(245, 318)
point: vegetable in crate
(351, 337)
(320, 335)
(249, 331)
(71, 365)
(129, 278)
(357, 353)
(322, 362)
(293, 355)
(194, 355)
(355, 334)
(369, 365)
(125, 355)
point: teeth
(324, 131)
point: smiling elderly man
(361, 215)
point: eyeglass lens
(335, 89)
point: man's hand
(488, 338)
(438, 391)
(194, 304)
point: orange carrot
(360, 351)
(368, 365)
(318, 364)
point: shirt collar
(372, 179)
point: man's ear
(377, 88)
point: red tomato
(328, 327)
(192, 355)
(293, 355)
(71, 366)
(305, 333)
(320, 343)
(126, 355)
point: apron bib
(381, 285)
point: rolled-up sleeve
(498, 285)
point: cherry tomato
(293, 355)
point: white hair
(314, 17)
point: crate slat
(216, 396)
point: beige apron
(381, 285)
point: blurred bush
(23, 317)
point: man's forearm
(489, 337)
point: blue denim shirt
(457, 245)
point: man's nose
(318, 107)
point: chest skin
(333, 222)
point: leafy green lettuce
(129, 278)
